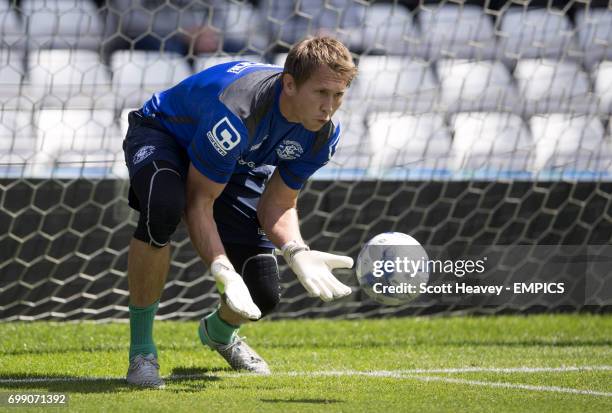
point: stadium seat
(351, 159)
(573, 146)
(476, 86)
(385, 29)
(202, 62)
(11, 73)
(12, 33)
(17, 142)
(77, 143)
(533, 33)
(594, 29)
(549, 86)
(460, 32)
(138, 74)
(241, 27)
(602, 78)
(289, 21)
(490, 145)
(393, 83)
(62, 24)
(123, 120)
(415, 146)
(68, 78)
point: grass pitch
(542, 363)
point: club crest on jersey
(223, 136)
(288, 150)
(142, 154)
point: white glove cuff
(291, 248)
(220, 264)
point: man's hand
(235, 291)
(314, 270)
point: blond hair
(308, 55)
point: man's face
(318, 98)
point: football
(391, 267)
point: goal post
(476, 127)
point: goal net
(470, 125)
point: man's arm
(201, 195)
(277, 214)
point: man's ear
(289, 85)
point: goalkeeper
(230, 148)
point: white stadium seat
(602, 78)
(532, 33)
(68, 78)
(241, 26)
(11, 73)
(408, 145)
(549, 86)
(289, 21)
(493, 144)
(77, 143)
(460, 32)
(385, 28)
(351, 159)
(570, 145)
(123, 120)
(476, 86)
(62, 24)
(393, 83)
(17, 142)
(204, 61)
(12, 33)
(138, 74)
(594, 29)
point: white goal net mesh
(484, 123)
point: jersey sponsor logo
(224, 137)
(288, 150)
(245, 65)
(250, 164)
(142, 154)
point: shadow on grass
(62, 383)
(187, 379)
(306, 401)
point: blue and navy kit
(228, 121)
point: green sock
(141, 330)
(219, 330)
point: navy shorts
(235, 210)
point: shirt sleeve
(217, 145)
(296, 172)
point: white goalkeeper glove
(231, 285)
(314, 270)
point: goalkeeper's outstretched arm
(277, 213)
(201, 195)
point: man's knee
(260, 274)
(162, 209)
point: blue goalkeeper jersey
(228, 119)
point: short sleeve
(217, 145)
(296, 172)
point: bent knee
(261, 275)
(161, 212)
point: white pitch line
(553, 389)
(563, 369)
